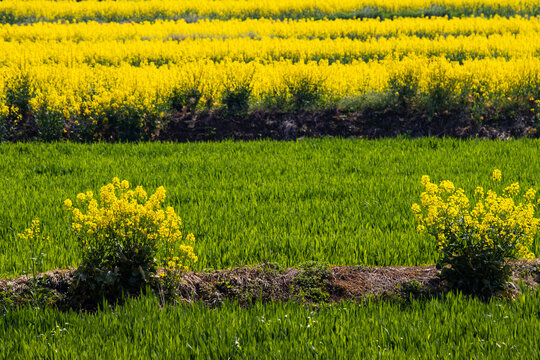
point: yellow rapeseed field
(110, 10)
(86, 60)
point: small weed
(18, 124)
(275, 99)
(50, 122)
(413, 289)
(236, 96)
(306, 91)
(7, 301)
(308, 285)
(272, 268)
(185, 98)
(403, 88)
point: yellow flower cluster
(94, 71)
(492, 221)
(94, 91)
(259, 29)
(127, 217)
(497, 175)
(140, 10)
(33, 233)
(245, 49)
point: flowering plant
(34, 236)
(476, 240)
(123, 232)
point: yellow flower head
(530, 194)
(124, 185)
(492, 221)
(497, 175)
(479, 191)
(68, 205)
(123, 216)
(31, 233)
(512, 189)
(447, 186)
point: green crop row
(345, 202)
(455, 328)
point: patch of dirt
(214, 125)
(243, 284)
(358, 282)
(267, 282)
(58, 280)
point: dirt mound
(267, 282)
(214, 125)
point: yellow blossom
(68, 204)
(530, 195)
(512, 189)
(447, 186)
(479, 191)
(129, 216)
(497, 175)
(495, 220)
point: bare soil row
(268, 282)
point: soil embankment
(267, 282)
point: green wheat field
(344, 202)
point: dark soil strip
(214, 125)
(268, 282)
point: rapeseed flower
(123, 217)
(497, 175)
(495, 220)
